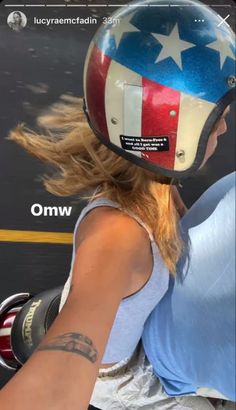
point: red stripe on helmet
(160, 113)
(95, 89)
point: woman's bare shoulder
(124, 234)
(111, 221)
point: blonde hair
(84, 163)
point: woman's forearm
(49, 381)
(62, 375)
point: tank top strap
(94, 203)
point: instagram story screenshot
(117, 205)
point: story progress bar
(116, 5)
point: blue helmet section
(200, 67)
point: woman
(198, 310)
(17, 23)
(147, 126)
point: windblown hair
(84, 163)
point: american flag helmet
(157, 77)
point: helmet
(157, 77)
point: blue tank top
(189, 337)
(133, 310)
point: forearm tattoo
(73, 343)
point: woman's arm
(62, 372)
